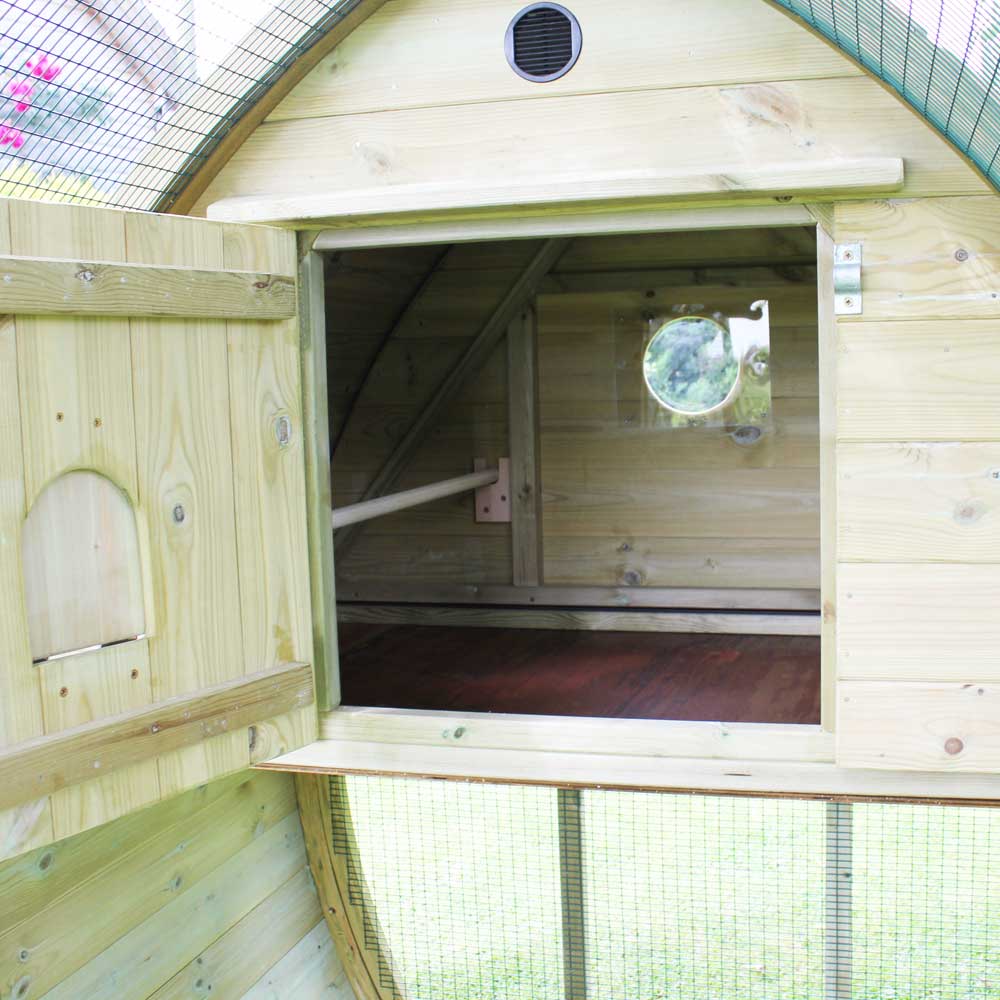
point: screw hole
(63, 691)
(135, 674)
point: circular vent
(543, 42)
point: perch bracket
(847, 279)
(493, 501)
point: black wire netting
(532, 893)
(119, 102)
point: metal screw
(59, 416)
(63, 691)
(961, 255)
(135, 674)
(179, 514)
(848, 255)
(283, 430)
(98, 421)
(848, 302)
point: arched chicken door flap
(82, 571)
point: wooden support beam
(45, 764)
(472, 359)
(316, 438)
(571, 892)
(541, 224)
(829, 351)
(525, 471)
(42, 287)
(733, 623)
(354, 513)
(556, 596)
(814, 180)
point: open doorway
(661, 558)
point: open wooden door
(155, 620)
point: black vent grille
(543, 42)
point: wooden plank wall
(626, 503)
(918, 457)
(439, 541)
(421, 94)
(207, 894)
(173, 412)
(631, 503)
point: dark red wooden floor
(632, 675)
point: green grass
(687, 897)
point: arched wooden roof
(138, 104)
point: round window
(690, 367)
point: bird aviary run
(537, 893)
(120, 102)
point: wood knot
(953, 745)
(969, 511)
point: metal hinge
(847, 279)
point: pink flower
(9, 136)
(23, 90)
(40, 66)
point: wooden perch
(356, 512)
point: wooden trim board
(45, 764)
(396, 232)
(36, 286)
(820, 180)
(555, 596)
(572, 734)
(631, 772)
(732, 623)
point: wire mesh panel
(926, 909)
(464, 882)
(497, 892)
(119, 102)
(940, 55)
(703, 897)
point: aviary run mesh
(120, 102)
(469, 890)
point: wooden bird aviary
(488, 430)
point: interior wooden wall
(626, 503)
(173, 411)
(207, 894)
(421, 93)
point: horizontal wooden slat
(946, 727)
(918, 621)
(45, 764)
(733, 623)
(640, 561)
(919, 380)
(38, 286)
(395, 60)
(933, 258)
(917, 502)
(360, 233)
(818, 179)
(547, 595)
(597, 770)
(658, 737)
(690, 503)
